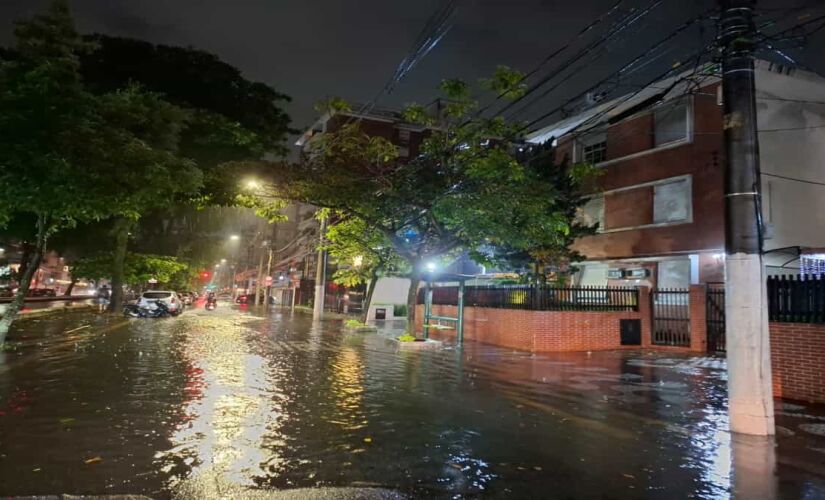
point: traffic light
(205, 275)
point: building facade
(661, 209)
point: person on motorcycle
(211, 299)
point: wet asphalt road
(236, 403)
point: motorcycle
(161, 310)
(211, 305)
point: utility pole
(746, 308)
(320, 275)
(268, 289)
(260, 274)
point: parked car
(42, 292)
(6, 292)
(171, 299)
(246, 298)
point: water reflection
(234, 400)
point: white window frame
(689, 207)
(688, 102)
(663, 147)
(588, 139)
(689, 220)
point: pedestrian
(103, 295)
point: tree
(138, 270)
(141, 148)
(540, 239)
(363, 254)
(47, 124)
(467, 189)
(229, 119)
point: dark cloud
(309, 49)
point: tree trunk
(120, 232)
(24, 260)
(68, 292)
(412, 295)
(25, 280)
(365, 307)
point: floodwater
(233, 403)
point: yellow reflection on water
(237, 406)
(348, 389)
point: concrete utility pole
(260, 274)
(746, 309)
(320, 276)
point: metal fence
(715, 317)
(539, 298)
(671, 317)
(797, 299)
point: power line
(556, 52)
(794, 179)
(559, 69)
(618, 73)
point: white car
(171, 299)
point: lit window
(672, 201)
(671, 123)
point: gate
(671, 317)
(715, 317)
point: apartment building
(661, 209)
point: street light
(223, 261)
(234, 237)
(431, 266)
(253, 184)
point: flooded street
(227, 403)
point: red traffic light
(205, 275)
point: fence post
(645, 315)
(698, 318)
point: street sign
(153, 281)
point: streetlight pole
(746, 310)
(320, 275)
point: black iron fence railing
(539, 298)
(797, 299)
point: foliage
(354, 323)
(47, 124)
(360, 250)
(469, 188)
(407, 337)
(230, 118)
(138, 269)
(399, 310)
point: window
(403, 137)
(674, 274)
(593, 148)
(671, 123)
(672, 201)
(592, 212)
(595, 153)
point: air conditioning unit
(637, 273)
(615, 274)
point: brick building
(661, 211)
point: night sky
(310, 49)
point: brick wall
(545, 331)
(798, 361)
(538, 331)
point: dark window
(595, 153)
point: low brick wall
(539, 331)
(798, 361)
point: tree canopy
(471, 187)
